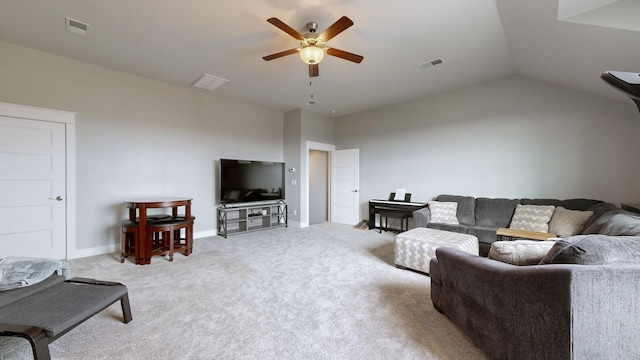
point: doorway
(342, 197)
(318, 187)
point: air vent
(431, 63)
(76, 27)
(209, 82)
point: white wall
(138, 137)
(513, 137)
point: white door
(32, 188)
(345, 185)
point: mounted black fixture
(628, 82)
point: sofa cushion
(466, 208)
(449, 227)
(594, 250)
(443, 212)
(554, 202)
(520, 252)
(532, 217)
(485, 234)
(579, 204)
(566, 222)
(616, 222)
(494, 212)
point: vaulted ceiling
(477, 40)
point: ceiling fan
(313, 47)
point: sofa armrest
(422, 217)
(511, 312)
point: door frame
(312, 145)
(68, 119)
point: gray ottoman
(415, 248)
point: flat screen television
(249, 180)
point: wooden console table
(523, 234)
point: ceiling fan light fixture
(312, 54)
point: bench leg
(126, 308)
(40, 349)
(36, 337)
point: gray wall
(301, 126)
(137, 137)
(293, 159)
(512, 137)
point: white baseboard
(100, 250)
(203, 234)
(111, 248)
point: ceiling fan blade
(286, 28)
(280, 54)
(339, 26)
(345, 55)
(313, 70)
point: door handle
(356, 190)
(57, 198)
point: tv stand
(241, 218)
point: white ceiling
(478, 40)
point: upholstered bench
(415, 248)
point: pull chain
(311, 101)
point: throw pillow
(443, 212)
(566, 222)
(520, 252)
(594, 250)
(532, 217)
(617, 222)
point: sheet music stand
(407, 197)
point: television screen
(246, 181)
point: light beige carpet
(323, 292)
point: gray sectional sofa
(481, 216)
(581, 301)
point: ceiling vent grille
(76, 27)
(431, 63)
(209, 82)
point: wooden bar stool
(129, 235)
(164, 237)
(128, 239)
(184, 243)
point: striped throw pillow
(532, 217)
(443, 212)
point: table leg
(189, 230)
(372, 217)
(143, 251)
